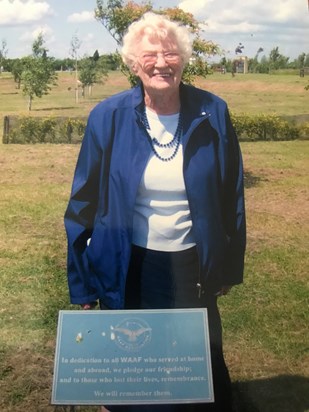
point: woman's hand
(88, 306)
(224, 290)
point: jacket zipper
(199, 284)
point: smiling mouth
(162, 75)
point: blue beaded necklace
(174, 143)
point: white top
(162, 219)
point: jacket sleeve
(233, 206)
(79, 217)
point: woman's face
(159, 65)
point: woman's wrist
(88, 306)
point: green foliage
(91, 71)
(132, 78)
(75, 46)
(277, 60)
(304, 130)
(17, 71)
(96, 56)
(66, 64)
(38, 74)
(37, 77)
(46, 130)
(28, 130)
(71, 130)
(274, 62)
(38, 48)
(3, 53)
(265, 127)
(33, 130)
(117, 15)
(109, 61)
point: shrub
(264, 127)
(26, 130)
(71, 130)
(29, 130)
(304, 130)
(47, 130)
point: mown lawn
(265, 320)
(252, 93)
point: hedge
(269, 127)
(25, 130)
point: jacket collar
(189, 105)
(194, 110)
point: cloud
(46, 31)
(255, 23)
(197, 7)
(27, 38)
(253, 13)
(18, 12)
(81, 17)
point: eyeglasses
(152, 57)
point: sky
(253, 23)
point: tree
(96, 56)
(91, 71)
(274, 61)
(300, 63)
(75, 46)
(117, 15)
(38, 75)
(17, 70)
(301, 59)
(3, 54)
(264, 65)
(64, 64)
(109, 61)
(277, 60)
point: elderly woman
(156, 216)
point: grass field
(265, 320)
(253, 93)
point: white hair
(157, 27)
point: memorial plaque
(132, 357)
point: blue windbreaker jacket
(112, 159)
